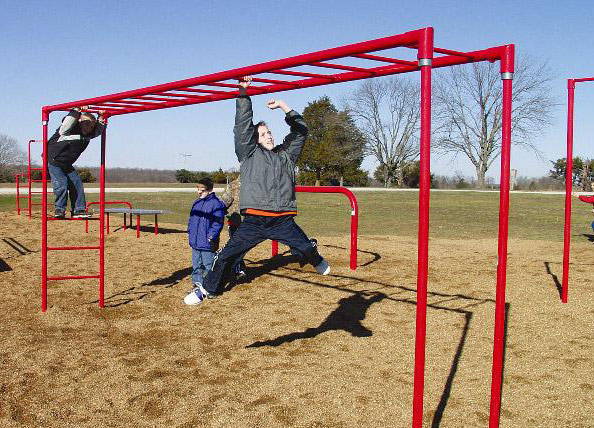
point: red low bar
(60, 278)
(354, 217)
(72, 248)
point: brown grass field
(288, 348)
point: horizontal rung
(57, 278)
(71, 219)
(34, 191)
(72, 248)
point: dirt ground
(288, 347)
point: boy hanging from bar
(64, 148)
(267, 195)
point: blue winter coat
(205, 223)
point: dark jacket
(67, 143)
(205, 223)
(267, 176)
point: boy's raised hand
(272, 104)
(245, 81)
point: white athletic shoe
(323, 268)
(194, 297)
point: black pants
(253, 230)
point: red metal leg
(507, 68)
(568, 190)
(137, 225)
(274, 248)
(44, 121)
(156, 225)
(101, 220)
(425, 59)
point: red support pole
(137, 225)
(568, 190)
(425, 57)
(274, 248)
(101, 220)
(29, 201)
(354, 217)
(507, 69)
(156, 225)
(18, 195)
(44, 121)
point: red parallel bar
(137, 225)
(507, 69)
(303, 74)
(277, 82)
(450, 52)
(385, 59)
(207, 91)
(425, 54)
(324, 55)
(584, 79)
(342, 67)
(58, 278)
(44, 121)
(72, 248)
(156, 225)
(69, 219)
(568, 190)
(354, 216)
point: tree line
(380, 119)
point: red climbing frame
(223, 86)
(569, 184)
(30, 180)
(354, 217)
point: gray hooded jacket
(267, 176)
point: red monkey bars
(223, 85)
(354, 217)
(569, 184)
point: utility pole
(185, 156)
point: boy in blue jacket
(204, 227)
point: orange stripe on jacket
(253, 211)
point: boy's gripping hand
(245, 81)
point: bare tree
(468, 106)
(387, 113)
(11, 157)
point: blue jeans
(201, 263)
(253, 230)
(65, 183)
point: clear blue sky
(63, 51)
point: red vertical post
(568, 190)
(507, 70)
(274, 248)
(354, 232)
(18, 194)
(156, 225)
(44, 122)
(137, 225)
(425, 57)
(29, 201)
(101, 219)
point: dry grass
(289, 348)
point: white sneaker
(194, 297)
(323, 268)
